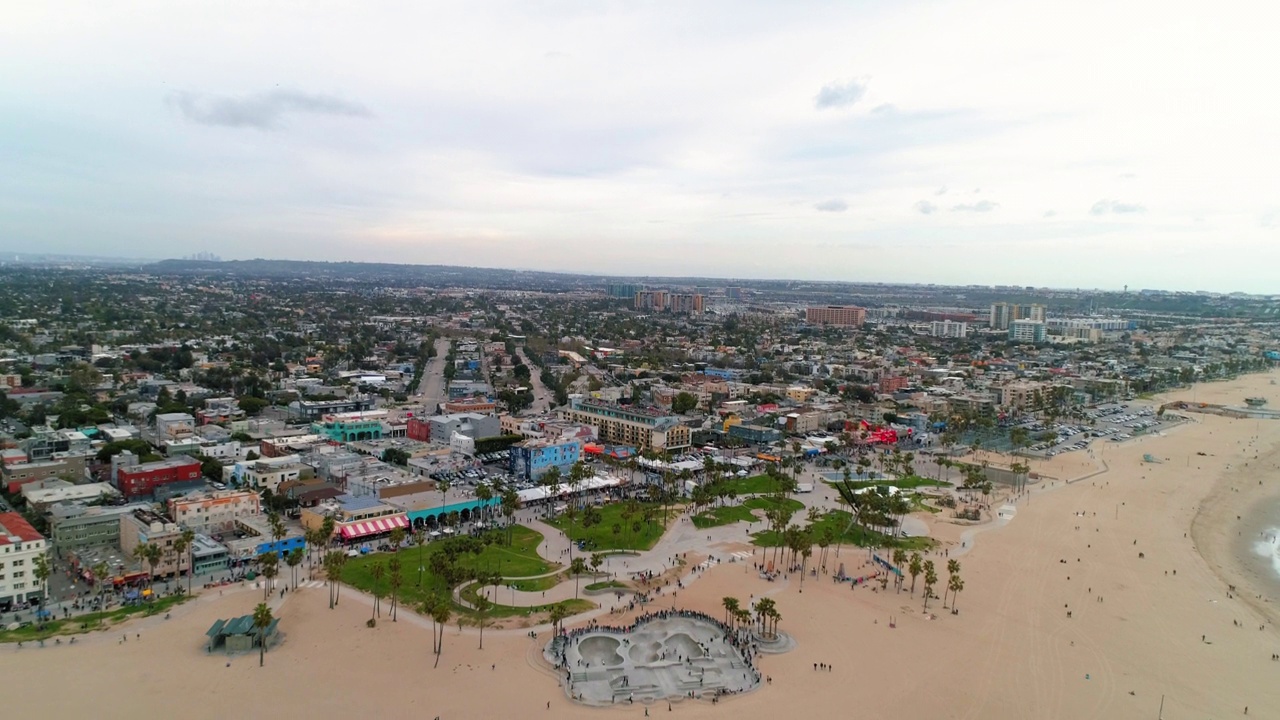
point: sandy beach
(1134, 634)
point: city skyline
(952, 143)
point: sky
(1091, 144)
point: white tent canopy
(539, 494)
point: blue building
(531, 459)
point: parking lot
(1114, 422)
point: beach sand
(1012, 652)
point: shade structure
(376, 526)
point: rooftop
(17, 529)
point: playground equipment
(1148, 457)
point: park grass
(605, 585)
(725, 515)
(838, 520)
(537, 584)
(90, 622)
(470, 594)
(753, 485)
(906, 483)
(601, 536)
(520, 559)
(769, 502)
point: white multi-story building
(20, 545)
(948, 329)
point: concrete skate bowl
(678, 658)
(600, 650)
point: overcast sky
(1073, 144)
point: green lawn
(754, 485)
(726, 515)
(89, 621)
(520, 559)
(769, 502)
(912, 481)
(856, 535)
(538, 584)
(573, 605)
(601, 536)
(605, 585)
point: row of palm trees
(766, 615)
(917, 566)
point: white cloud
(1112, 207)
(832, 205)
(840, 95)
(592, 137)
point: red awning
(374, 527)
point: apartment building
(1031, 331)
(646, 429)
(1003, 314)
(137, 480)
(837, 315)
(531, 459)
(20, 545)
(653, 300)
(214, 512)
(683, 304)
(948, 329)
(143, 527)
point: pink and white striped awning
(374, 527)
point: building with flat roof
(63, 466)
(20, 545)
(837, 315)
(653, 300)
(144, 527)
(1031, 331)
(350, 427)
(138, 480)
(531, 459)
(316, 409)
(683, 304)
(216, 511)
(648, 429)
(73, 526)
(948, 329)
(472, 425)
(209, 556)
(1003, 314)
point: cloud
(980, 206)
(1050, 213)
(1104, 207)
(263, 111)
(840, 95)
(832, 205)
(941, 191)
(924, 207)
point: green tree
(261, 621)
(394, 582)
(930, 579)
(41, 572)
(577, 567)
(293, 559)
(269, 564)
(683, 403)
(914, 568)
(252, 405)
(186, 543)
(483, 606)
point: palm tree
(577, 566)
(183, 543)
(269, 563)
(955, 584)
(953, 568)
(482, 607)
(558, 615)
(395, 581)
(899, 557)
(510, 504)
(930, 579)
(150, 553)
(41, 573)
(420, 539)
(730, 605)
(441, 615)
(100, 577)
(484, 494)
(333, 563)
(914, 568)
(261, 621)
(376, 571)
(397, 538)
(293, 559)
